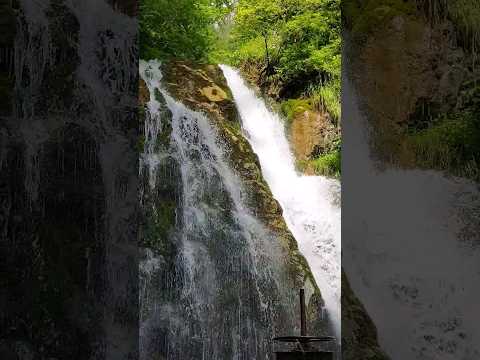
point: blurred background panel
(69, 165)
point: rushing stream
(310, 203)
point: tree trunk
(267, 55)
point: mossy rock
(214, 93)
(160, 209)
(160, 221)
(201, 87)
(163, 139)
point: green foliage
(180, 29)
(296, 38)
(318, 97)
(327, 98)
(293, 107)
(452, 143)
(296, 42)
(328, 164)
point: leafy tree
(295, 39)
(180, 28)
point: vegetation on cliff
(295, 43)
(289, 49)
(435, 124)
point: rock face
(311, 134)
(307, 134)
(68, 190)
(407, 63)
(195, 86)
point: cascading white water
(310, 203)
(406, 250)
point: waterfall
(214, 285)
(310, 203)
(414, 266)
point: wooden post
(303, 315)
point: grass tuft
(327, 98)
(452, 144)
(293, 107)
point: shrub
(328, 164)
(327, 98)
(293, 107)
(452, 143)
